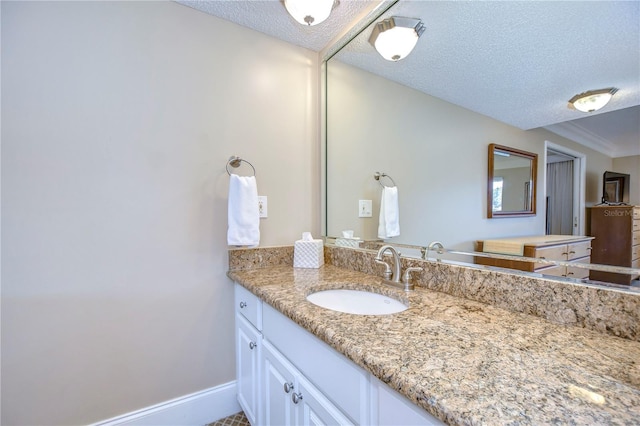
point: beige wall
(630, 165)
(437, 154)
(117, 121)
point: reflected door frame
(579, 183)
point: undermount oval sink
(356, 302)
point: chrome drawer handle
(252, 345)
(243, 305)
(288, 387)
(296, 397)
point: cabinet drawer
(554, 271)
(579, 273)
(636, 213)
(578, 250)
(550, 253)
(636, 225)
(249, 305)
(344, 383)
(567, 271)
(635, 252)
(635, 263)
(635, 239)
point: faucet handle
(407, 274)
(387, 269)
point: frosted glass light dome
(309, 12)
(592, 100)
(395, 38)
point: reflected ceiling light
(592, 100)
(395, 38)
(309, 12)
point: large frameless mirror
(375, 120)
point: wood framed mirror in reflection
(436, 152)
(512, 182)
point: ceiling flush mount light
(309, 12)
(592, 100)
(395, 38)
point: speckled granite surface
(463, 361)
(605, 310)
(261, 257)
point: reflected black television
(615, 188)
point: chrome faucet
(437, 245)
(389, 275)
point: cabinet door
(331, 373)
(248, 343)
(278, 386)
(313, 408)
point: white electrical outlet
(365, 207)
(262, 205)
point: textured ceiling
(270, 17)
(516, 61)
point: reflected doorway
(564, 190)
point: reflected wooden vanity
(617, 240)
(571, 248)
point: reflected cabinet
(617, 240)
(568, 248)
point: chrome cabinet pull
(288, 387)
(296, 397)
(252, 345)
(243, 305)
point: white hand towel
(389, 223)
(244, 216)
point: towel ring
(379, 175)
(235, 162)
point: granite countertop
(463, 361)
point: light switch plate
(262, 205)
(365, 207)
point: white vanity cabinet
(290, 399)
(248, 352)
(337, 388)
(287, 376)
(389, 408)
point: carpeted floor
(237, 419)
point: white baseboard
(196, 409)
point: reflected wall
(435, 151)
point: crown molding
(583, 136)
(589, 139)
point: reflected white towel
(244, 216)
(389, 224)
